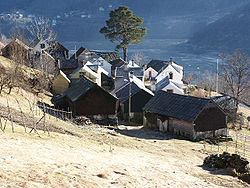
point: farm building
(192, 117)
(86, 98)
(60, 83)
(140, 95)
(17, 50)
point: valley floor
(104, 159)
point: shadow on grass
(216, 171)
(147, 134)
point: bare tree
(236, 74)
(18, 33)
(42, 29)
(208, 81)
(139, 58)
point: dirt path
(104, 160)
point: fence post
(236, 144)
(245, 147)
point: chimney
(131, 74)
(171, 60)
(133, 63)
(75, 51)
(59, 64)
(126, 66)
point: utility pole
(198, 68)
(75, 51)
(217, 76)
(129, 98)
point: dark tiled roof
(71, 63)
(157, 64)
(108, 56)
(121, 72)
(163, 83)
(79, 51)
(177, 106)
(55, 46)
(117, 62)
(123, 93)
(77, 90)
(225, 102)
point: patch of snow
(101, 9)
(54, 22)
(31, 16)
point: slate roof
(69, 63)
(156, 64)
(121, 72)
(76, 90)
(176, 106)
(225, 102)
(56, 46)
(79, 51)
(108, 56)
(123, 93)
(17, 41)
(164, 82)
(117, 62)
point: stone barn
(191, 117)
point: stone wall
(183, 128)
(209, 134)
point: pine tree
(124, 27)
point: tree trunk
(125, 53)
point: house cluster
(106, 88)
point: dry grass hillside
(99, 157)
(92, 156)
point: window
(82, 74)
(170, 90)
(42, 45)
(171, 75)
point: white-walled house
(122, 74)
(172, 70)
(150, 73)
(83, 55)
(153, 67)
(103, 64)
(39, 45)
(170, 86)
(170, 78)
(90, 71)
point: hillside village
(110, 92)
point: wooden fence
(34, 117)
(237, 143)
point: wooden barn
(192, 117)
(86, 98)
(17, 51)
